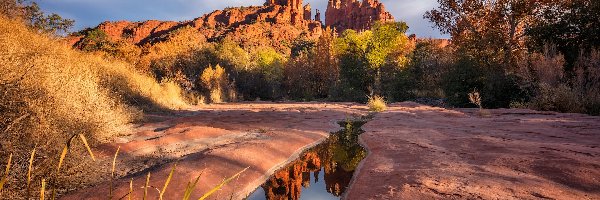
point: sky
(90, 13)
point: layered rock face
(274, 24)
(137, 32)
(294, 4)
(356, 15)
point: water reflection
(322, 172)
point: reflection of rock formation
(353, 14)
(337, 157)
(287, 183)
(337, 180)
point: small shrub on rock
(377, 103)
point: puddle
(322, 172)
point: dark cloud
(89, 13)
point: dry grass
(377, 103)
(50, 92)
(475, 98)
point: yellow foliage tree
(217, 85)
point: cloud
(89, 13)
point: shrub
(429, 62)
(216, 83)
(460, 80)
(559, 98)
(475, 98)
(51, 92)
(377, 103)
(497, 87)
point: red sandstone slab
(421, 152)
(219, 141)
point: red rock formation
(136, 32)
(307, 12)
(295, 4)
(352, 14)
(318, 16)
(274, 24)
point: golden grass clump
(50, 92)
(377, 103)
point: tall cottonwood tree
(492, 31)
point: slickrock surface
(217, 141)
(421, 152)
(355, 14)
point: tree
(313, 72)
(493, 32)
(571, 25)
(389, 43)
(362, 55)
(34, 17)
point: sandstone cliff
(356, 15)
(275, 24)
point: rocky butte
(275, 24)
(356, 15)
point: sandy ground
(420, 152)
(216, 141)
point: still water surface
(320, 173)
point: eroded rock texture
(356, 15)
(276, 23)
(137, 32)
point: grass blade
(146, 186)
(62, 158)
(87, 146)
(164, 189)
(43, 190)
(187, 191)
(130, 189)
(53, 194)
(190, 188)
(112, 173)
(5, 179)
(30, 167)
(221, 184)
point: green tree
(355, 76)
(570, 25)
(31, 13)
(95, 40)
(362, 56)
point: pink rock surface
(421, 152)
(218, 141)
